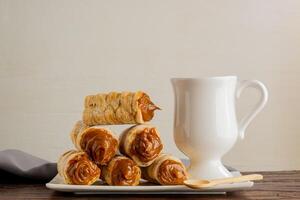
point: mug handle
(245, 121)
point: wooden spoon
(210, 183)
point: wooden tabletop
(276, 185)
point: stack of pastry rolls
(124, 160)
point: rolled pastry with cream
(99, 143)
(76, 168)
(121, 171)
(141, 143)
(165, 170)
(118, 108)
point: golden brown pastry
(165, 170)
(118, 108)
(141, 143)
(121, 171)
(75, 167)
(98, 142)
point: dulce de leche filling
(81, 171)
(99, 145)
(146, 145)
(125, 172)
(171, 173)
(147, 107)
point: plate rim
(149, 189)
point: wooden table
(276, 185)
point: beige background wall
(53, 53)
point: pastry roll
(121, 171)
(75, 167)
(118, 108)
(165, 170)
(141, 143)
(98, 142)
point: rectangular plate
(144, 188)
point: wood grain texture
(276, 185)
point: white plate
(145, 188)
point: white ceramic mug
(205, 123)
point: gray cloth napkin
(17, 164)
